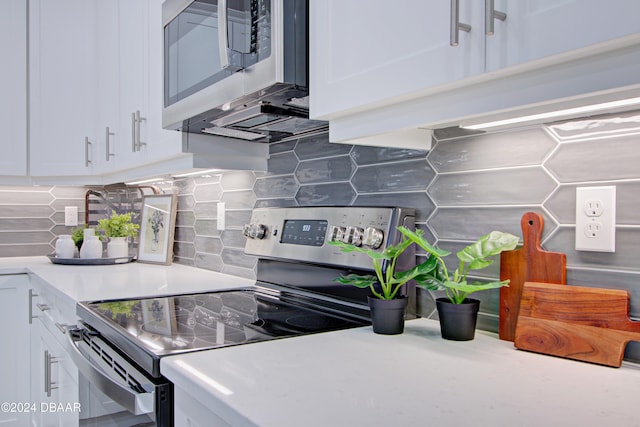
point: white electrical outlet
(220, 223)
(596, 219)
(70, 216)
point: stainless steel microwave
(237, 68)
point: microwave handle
(223, 34)
(135, 403)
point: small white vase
(91, 247)
(65, 248)
(117, 247)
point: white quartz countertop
(94, 282)
(357, 378)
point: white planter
(65, 248)
(91, 247)
(117, 247)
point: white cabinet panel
(379, 69)
(364, 52)
(536, 29)
(160, 144)
(14, 335)
(13, 86)
(133, 41)
(63, 94)
(54, 381)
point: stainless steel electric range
(120, 343)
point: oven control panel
(302, 233)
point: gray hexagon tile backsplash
(467, 184)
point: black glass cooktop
(173, 324)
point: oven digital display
(304, 232)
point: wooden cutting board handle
(528, 263)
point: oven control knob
(336, 233)
(372, 237)
(255, 231)
(355, 235)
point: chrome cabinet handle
(490, 15)
(136, 120)
(48, 384)
(107, 138)
(31, 316)
(87, 143)
(43, 307)
(456, 25)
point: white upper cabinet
(155, 143)
(63, 91)
(379, 68)
(364, 52)
(537, 29)
(13, 86)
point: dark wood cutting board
(530, 263)
(588, 324)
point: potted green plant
(386, 303)
(457, 312)
(118, 227)
(77, 235)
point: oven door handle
(135, 403)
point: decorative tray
(90, 261)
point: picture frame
(157, 316)
(157, 228)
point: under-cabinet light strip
(556, 114)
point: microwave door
(196, 48)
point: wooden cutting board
(588, 324)
(528, 263)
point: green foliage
(118, 225)
(390, 280)
(77, 235)
(473, 257)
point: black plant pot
(387, 316)
(458, 321)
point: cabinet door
(62, 101)
(14, 335)
(138, 137)
(13, 86)
(539, 28)
(364, 52)
(133, 69)
(52, 370)
(161, 143)
(106, 82)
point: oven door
(139, 399)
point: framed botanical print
(157, 228)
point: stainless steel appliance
(237, 68)
(120, 344)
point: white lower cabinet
(54, 377)
(14, 336)
(54, 385)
